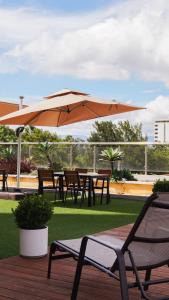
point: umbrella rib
(33, 118)
(42, 111)
(92, 111)
(66, 111)
(59, 118)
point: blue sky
(109, 48)
(69, 6)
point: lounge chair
(146, 248)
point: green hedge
(161, 186)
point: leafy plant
(8, 161)
(33, 212)
(10, 165)
(111, 154)
(119, 175)
(161, 186)
(8, 153)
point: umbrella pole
(19, 149)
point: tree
(7, 134)
(33, 134)
(107, 131)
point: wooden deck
(25, 279)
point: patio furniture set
(145, 249)
(75, 182)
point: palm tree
(112, 155)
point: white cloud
(156, 109)
(129, 39)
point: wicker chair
(146, 248)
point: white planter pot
(34, 243)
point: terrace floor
(25, 279)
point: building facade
(161, 131)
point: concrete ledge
(128, 197)
(11, 196)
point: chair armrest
(116, 249)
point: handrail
(90, 143)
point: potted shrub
(112, 155)
(31, 216)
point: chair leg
(147, 278)
(82, 197)
(75, 196)
(76, 281)
(123, 278)
(101, 198)
(94, 197)
(55, 194)
(102, 188)
(6, 185)
(71, 192)
(52, 250)
(79, 269)
(138, 280)
(65, 197)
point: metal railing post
(94, 158)
(19, 150)
(71, 156)
(30, 151)
(145, 159)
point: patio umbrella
(64, 109)
(6, 108)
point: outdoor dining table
(91, 176)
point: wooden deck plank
(25, 279)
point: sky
(113, 49)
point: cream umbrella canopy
(66, 109)
(63, 108)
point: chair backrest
(3, 173)
(81, 170)
(105, 171)
(46, 175)
(150, 233)
(71, 178)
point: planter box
(131, 188)
(34, 243)
(128, 187)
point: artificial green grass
(69, 222)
